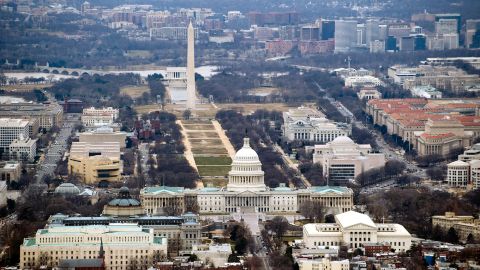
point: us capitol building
(246, 191)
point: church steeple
(101, 253)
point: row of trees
(414, 207)
(391, 169)
(169, 167)
(258, 129)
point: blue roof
(327, 189)
(209, 189)
(160, 189)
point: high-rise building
(454, 16)
(345, 35)
(472, 35)
(361, 34)
(420, 42)
(328, 29)
(372, 31)
(310, 33)
(391, 44)
(407, 44)
(446, 26)
(288, 32)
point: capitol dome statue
(246, 172)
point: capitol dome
(246, 172)
(67, 189)
(246, 154)
(342, 140)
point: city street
(57, 148)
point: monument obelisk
(191, 89)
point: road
(288, 162)
(261, 253)
(57, 148)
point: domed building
(246, 173)
(246, 191)
(123, 205)
(343, 160)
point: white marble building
(355, 229)
(343, 159)
(307, 124)
(246, 190)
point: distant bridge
(69, 71)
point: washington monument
(191, 89)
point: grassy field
(143, 109)
(134, 91)
(213, 170)
(203, 134)
(249, 108)
(213, 160)
(215, 151)
(215, 182)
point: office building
(446, 26)
(48, 114)
(391, 44)
(307, 124)
(354, 230)
(324, 263)
(377, 46)
(472, 34)
(471, 153)
(92, 117)
(450, 16)
(458, 174)
(104, 134)
(120, 244)
(328, 29)
(372, 31)
(11, 130)
(368, 93)
(310, 33)
(343, 160)
(345, 35)
(430, 126)
(463, 225)
(215, 253)
(23, 149)
(425, 91)
(95, 163)
(10, 171)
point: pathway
(226, 142)
(188, 150)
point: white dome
(342, 140)
(246, 153)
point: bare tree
(312, 210)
